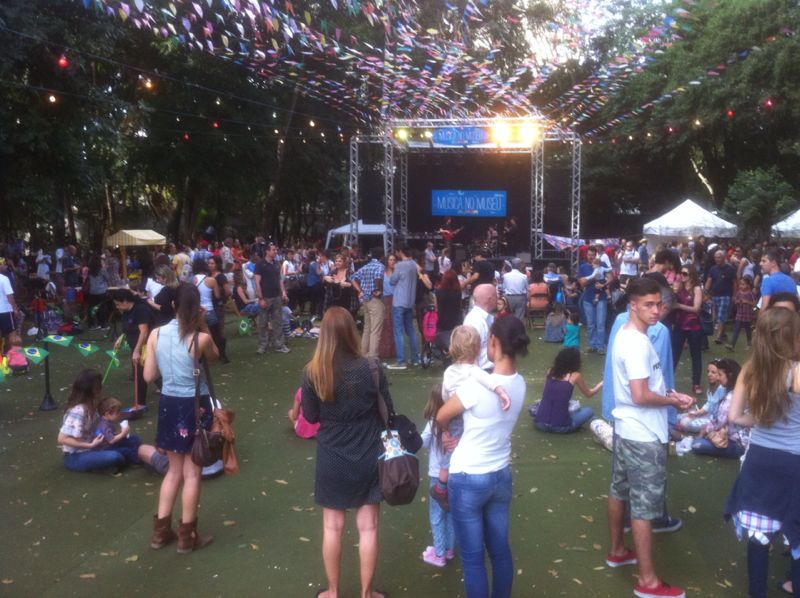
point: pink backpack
(430, 325)
(17, 360)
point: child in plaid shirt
(745, 302)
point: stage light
(528, 133)
(401, 134)
(428, 134)
(501, 133)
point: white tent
(687, 220)
(362, 230)
(789, 226)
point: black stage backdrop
(508, 172)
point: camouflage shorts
(639, 475)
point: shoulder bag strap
(373, 368)
(196, 373)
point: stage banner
(475, 203)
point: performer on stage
(448, 231)
(510, 233)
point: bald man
(481, 317)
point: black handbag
(398, 469)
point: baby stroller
(430, 328)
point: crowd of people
(639, 309)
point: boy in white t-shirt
(639, 470)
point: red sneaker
(629, 558)
(662, 590)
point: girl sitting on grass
(553, 414)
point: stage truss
(400, 137)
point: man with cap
(515, 289)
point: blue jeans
(480, 506)
(403, 320)
(579, 417)
(703, 446)
(441, 528)
(596, 323)
(92, 460)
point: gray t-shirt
(404, 280)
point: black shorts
(8, 323)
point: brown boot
(162, 532)
(189, 540)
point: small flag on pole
(57, 339)
(87, 349)
(35, 354)
(114, 359)
(245, 326)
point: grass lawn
(88, 534)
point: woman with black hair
(479, 484)
(215, 270)
(553, 414)
(137, 320)
(210, 294)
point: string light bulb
(63, 62)
(52, 98)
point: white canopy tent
(789, 226)
(686, 220)
(362, 230)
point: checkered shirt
(366, 276)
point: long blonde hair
(338, 338)
(776, 346)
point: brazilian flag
(57, 339)
(245, 326)
(87, 349)
(35, 354)
(114, 359)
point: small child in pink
(302, 427)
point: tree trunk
(275, 181)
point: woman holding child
(479, 476)
(171, 353)
(338, 392)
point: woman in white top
(479, 485)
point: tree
(759, 198)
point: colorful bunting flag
(57, 339)
(87, 349)
(35, 354)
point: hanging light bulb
(52, 98)
(63, 62)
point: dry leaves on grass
(132, 559)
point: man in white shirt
(480, 317)
(639, 469)
(8, 307)
(515, 289)
(629, 263)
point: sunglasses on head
(684, 273)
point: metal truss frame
(395, 163)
